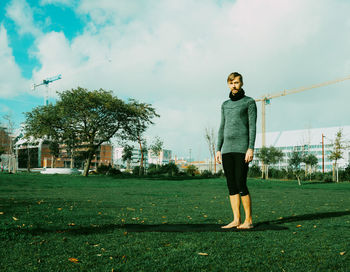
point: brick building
(4, 140)
(39, 155)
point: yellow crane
(265, 99)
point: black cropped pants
(236, 170)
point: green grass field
(109, 224)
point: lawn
(73, 223)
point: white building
(164, 157)
(308, 140)
(148, 157)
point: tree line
(90, 118)
(271, 155)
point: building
(6, 155)
(5, 140)
(163, 158)
(308, 140)
(135, 158)
(148, 157)
(39, 155)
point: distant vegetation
(290, 174)
(172, 171)
(169, 170)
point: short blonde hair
(233, 75)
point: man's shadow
(260, 226)
(168, 227)
(304, 217)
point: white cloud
(21, 13)
(57, 2)
(11, 81)
(177, 55)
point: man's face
(235, 84)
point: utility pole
(322, 154)
(265, 99)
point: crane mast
(265, 100)
(46, 83)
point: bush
(153, 172)
(183, 174)
(138, 171)
(192, 170)
(207, 174)
(113, 172)
(107, 170)
(327, 177)
(254, 171)
(170, 169)
(219, 174)
(344, 175)
(347, 172)
(103, 169)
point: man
(236, 139)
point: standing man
(236, 139)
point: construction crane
(265, 99)
(46, 82)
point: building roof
(301, 137)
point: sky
(176, 55)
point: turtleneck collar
(237, 96)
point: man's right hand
(218, 157)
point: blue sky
(177, 55)
(49, 18)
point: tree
(295, 158)
(54, 147)
(85, 117)
(144, 149)
(337, 152)
(210, 138)
(10, 130)
(2, 151)
(269, 155)
(310, 161)
(157, 147)
(138, 126)
(127, 155)
(12, 162)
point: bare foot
(245, 225)
(233, 224)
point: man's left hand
(249, 155)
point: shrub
(103, 169)
(219, 174)
(183, 174)
(171, 169)
(327, 177)
(254, 171)
(153, 171)
(344, 174)
(276, 173)
(192, 170)
(347, 172)
(138, 171)
(206, 174)
(113, 172)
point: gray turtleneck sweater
(238, 125)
